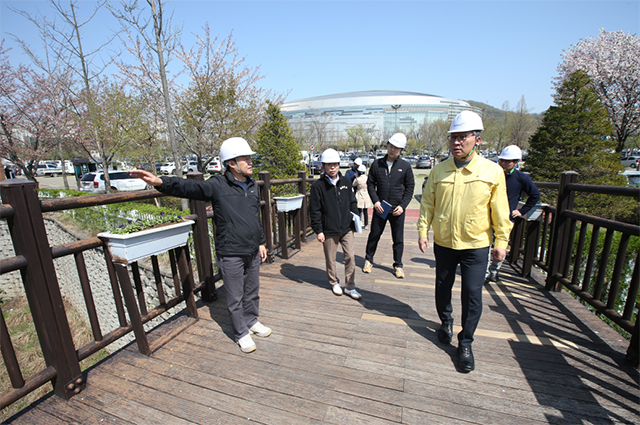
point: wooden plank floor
(540, 358)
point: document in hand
(357, 222)
(386, 207)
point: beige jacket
(362, 195)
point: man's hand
(398, 210)
(378, 207)
(423, 244)
(320, 237)
(148, 178)
(263, 253)
(515, 213)
(498, 254)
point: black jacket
(235, 213)
(330, 206)
(396, 187)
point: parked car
(367, 160)
(190, 166)
(168, 168)
(344, 162)
(630, 161)
(50, 170)
(120, 181)
(213, 167)
(411, 159)
(424, 162)
(633, 178)
(315, 168)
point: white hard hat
(330, 156)
(511, 153)
(357, 161)
(362, 169)
(233, 148)
(398, 140)
(466, 121)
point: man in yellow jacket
(465, 200)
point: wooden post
(560, 251)
(134, 314)
(302, 175)
(265, 195)
(186, 276)
(30, 240)
(296, 228)
(530, 246)
(516, 240)
(202, 244)
(282, 234)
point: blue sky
(488, 51)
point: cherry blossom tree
(33, 118)
(67, 52)
(223, 98)
(612, 61)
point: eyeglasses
(460, 138)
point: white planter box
(145, 243)
(285, 204)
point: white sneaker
(337, 289)
(260, 330)
(367, 266)
(353, 294)
(246, 344)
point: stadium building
(383, 112)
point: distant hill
(495, 113)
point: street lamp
(395, 108)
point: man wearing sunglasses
(465, 200)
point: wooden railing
(550, 244)
(34, 259)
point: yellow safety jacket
(466, 206)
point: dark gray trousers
(473, 265)
(241, 277)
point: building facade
(325, 119)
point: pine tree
(279, 153)
(575, 135)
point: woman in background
(362, 195)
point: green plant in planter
(143, 224)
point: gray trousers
(330, 247)
(241, 277)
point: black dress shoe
(465, 359)
(445, 333)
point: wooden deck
(540, 358)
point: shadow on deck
(541, 357)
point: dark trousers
(364, 214)
(473, 265)
(397, 235)
(241, 283)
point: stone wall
(69, 282)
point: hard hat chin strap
(471, 151)
(239, 171)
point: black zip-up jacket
(330, 206)
(236, 213)
(396, 187)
